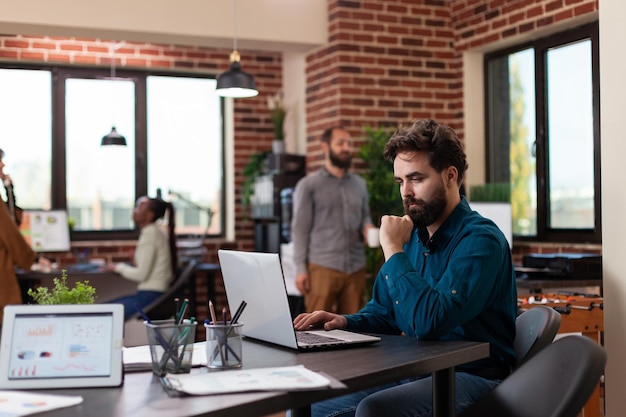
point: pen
(235, 318)
(217, 336)
(181, 312)
(226, 347)
(182, 338)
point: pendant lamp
(235, 82)
(113, 138)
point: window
(26, 120)
(543, 134)
(54, 119)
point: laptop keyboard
(314, 339)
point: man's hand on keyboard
(328, 321)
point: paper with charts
(287, 378)
(15, 403)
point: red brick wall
(386, 62)
(479, 23)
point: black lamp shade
(113, 138)
(236, 83)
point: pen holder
(223, 345)
(171, 346)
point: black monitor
(46, 230)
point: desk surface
(395, 357)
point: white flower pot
(278, 146)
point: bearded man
(331, 216)
(448, 275)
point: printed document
(287, 378)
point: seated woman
(155, 260)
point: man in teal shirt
(448, 275)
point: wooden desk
(394, 358)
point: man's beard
(339, 161)
(426, 213)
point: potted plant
(251, 171)
(276, 106)
(82, 293)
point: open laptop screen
(46, 230)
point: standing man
(330, 218)
(448, 275)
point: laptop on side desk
(257, 278)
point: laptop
(257, 278)
(61, 346)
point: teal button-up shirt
(458, 285)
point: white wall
(278, 25)
(613, 88)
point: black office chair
(535, 329)
(556, 382)
(163, 307)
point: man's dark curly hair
(440, 142)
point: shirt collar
(326, 172)
(448, 228)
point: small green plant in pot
(82, 293)
(251, 171)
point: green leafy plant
(251, 171)
(82, 293)
(494, 191)
(382, 189)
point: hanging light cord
(235, 25)
(112, 61)
(114, 47)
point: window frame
(541, 46)
(59, 73)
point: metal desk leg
(444, 393)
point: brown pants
(335, 291)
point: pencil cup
(171, 346)
(223, 345)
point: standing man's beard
(340, 160)
(426, 212)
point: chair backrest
(556, 382)
(535, 329)
(163, 307)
